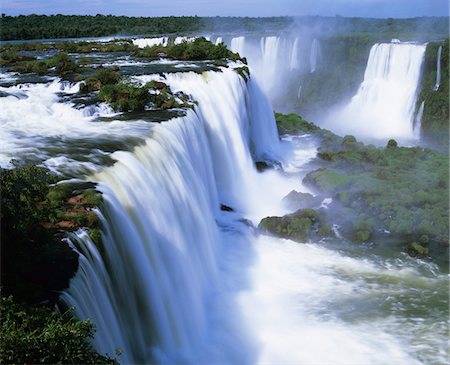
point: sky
(359, 8)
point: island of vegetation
(392, 195)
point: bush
(199, 49)
(39, 336)
(63, 63)
(35, 265)
(125, 97)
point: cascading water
(150, 42)
(385, 102)
(275, 61)
(438, 70)
(418, 119)
(162, 284)
(314, 55)
(237, 45)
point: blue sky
(363, 8)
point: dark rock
(226, 208)
(262, 166)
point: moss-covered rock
(415, 249)
(298, 226)
(296, 200)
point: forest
(75, 26)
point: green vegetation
(396, 192)
(62, 62)
(298, 226)
(36, 265)
(103, 76)
(125, 96)
(435, 119)
(117, 45)
(341, 68)
(73, 26)
(38, 336)
(197, 50)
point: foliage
(73, 26)
(8, 57)
(63, 63)
(39, 336)
(199, 49)
(435, 119)
(396, 192)
(102, 76)
(125, 96)
(35, 265)
(298, 226)
(117, 45)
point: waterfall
(294, 64)
(438, 70)
(385, 102)
(314, 56)
(418, 120)
(158, 292)
(237, 45)
(150, 42)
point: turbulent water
(385, 102)
(180, 281)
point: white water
(34, 118)
(150, 42)
(237, 45)
(275, 62)
(385, 102)
(162, 231)
(182, 282)
(418, 120)
(438, 70)
(314, 55)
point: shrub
(39, 336)
(63, 63)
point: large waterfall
(385, 102)
(161, 289)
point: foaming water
(36, 122)
(385, 102)
(313, 305)
(180, 281)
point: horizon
(399, 9)
(230, 16)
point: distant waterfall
(418, 119)
(314, 56)
(237, 45)
(150, 42)
(157, 291)
(385, 102)
(438, 70)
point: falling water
(385, 102)
(237, 45)
(418, 120)
(161, 233)
(438, 70)
(314, 56)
